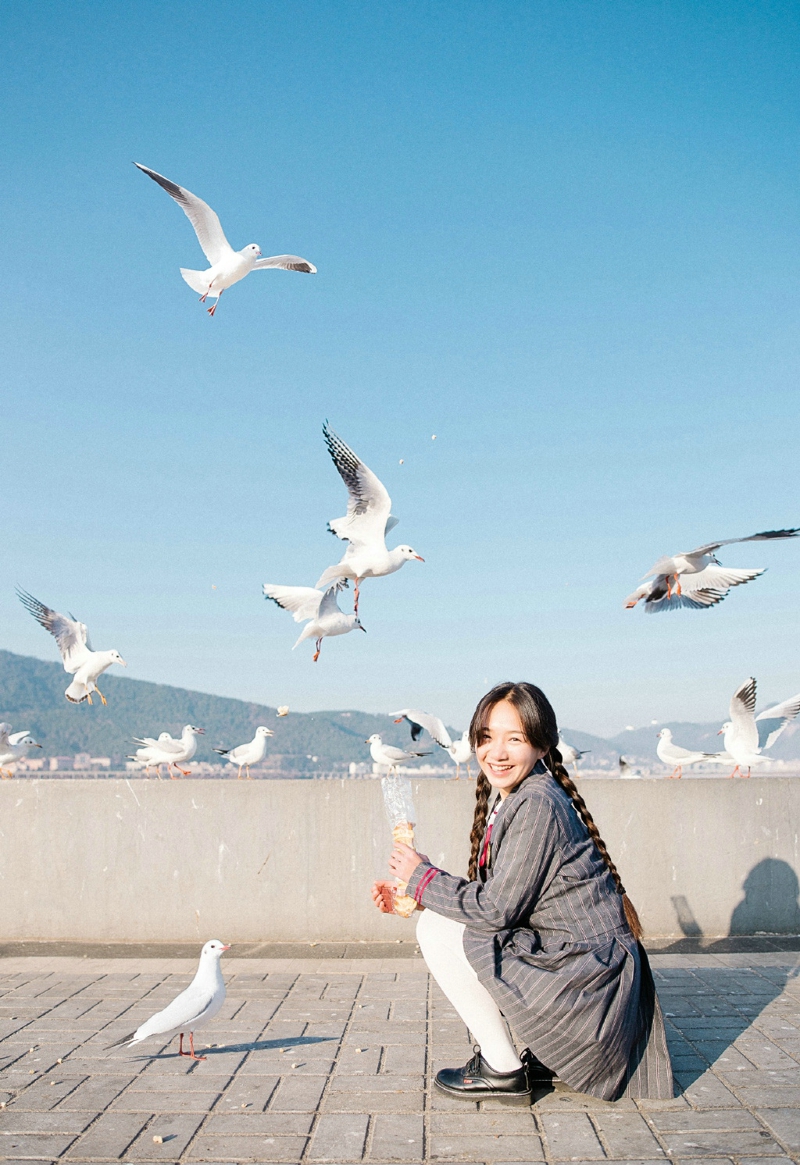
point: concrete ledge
(276, 862)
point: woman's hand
(403, 861)
(383, 894)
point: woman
(541, 933)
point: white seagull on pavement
(72, 637)
(227, 266)
(459, 750)
(696, 578)
(676, 757)
(167, 751)
(192, 1009)
(319, 607)
(367, 522)
(747, 735)
(13, 747)
(248, 754)
(387, 754)
(569, 754)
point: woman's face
(504, 753)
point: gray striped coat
(546, 935)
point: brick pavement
(331, 1061)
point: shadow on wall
(708, 1007)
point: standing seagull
(72, 638)
(570, 755)
(227, 266)
(677, 757)
(248, 754)
(365, 525)
(193, 1008)
(323, 611)
(167, 751)
(459, 750)
(387, 754)
(747, 735)
(13, 747)
(696, 578)
(627, 772)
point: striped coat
(546, 935)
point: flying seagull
(696, 578)
(746, 735)
(248, 754)
(387, 754)
(677, 757)
(365, 525)
(324, 615)
(459, 750)
(227, 266)
(192, 1009)
(72, 638)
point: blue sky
(563, 237)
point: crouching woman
(541, 935)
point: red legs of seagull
(318, 646)
(735, 771)
(100, 694)
(677, 772)
(190, 1055)
(239, 774)
(355, 597)
(6, 774)
(212, 310)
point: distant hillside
(32, 697)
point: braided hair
(539, 724)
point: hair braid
(555, 764)
(478, 823)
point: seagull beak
(366, 742)
(720, 732)
(201, 731)
(419, 558)
(37, 746)
(226, 946)
(361, 627)
(399, 719)
(122, 661)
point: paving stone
(109, 1137)
(785, 1123)
(212, 1149)
(397, 1138)
(280, 1124)
(571, 1135)
(298, 1094)
(377, 1083)
(502, 1147)
(697, 1144)
(339, 1137)
(14, 1120)
(176, 1131)
(627, 1135)
(373, 1102)
(192, 1101)
(696, 1121)
(36, 1145)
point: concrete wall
(277, 861)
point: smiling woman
(541, 934)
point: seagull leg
(669, 589)
(186, 772)
(318, 646)
(678, 584)
(211, 311)
(172, 776)
(191, 1045)
(204, 297)
(355, 597)
(735, 771)
(239, 774)
(747, 774)
(677, 772)
(100, 694)
(248, 772)
(89, 697)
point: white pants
(442, 944)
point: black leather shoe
(538, 1075)
(477, 1081)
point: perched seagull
(72, 638)
(321, 609)
(627, 772)
(747, 735)
(387, 754)
(570, 755)
(459, 750)
(673, 754)
(227, 266)
(252, 753)
(167, 751)
(13, 747)
(696, 578)
(192, 1009)
(367, 522)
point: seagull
(282, 710)
(79, 659)
(673, 754)
(387, 754)
(367, 522)
(570, 755)
(696, 578)
(169, 752)
(13, 747)
(192, 1009)
(248, 754)
(459, 750)
(227, 266)
(626, 772)
(747, 735)
(321, 609)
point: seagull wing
(285, 263)
(69, 634)
(329, 606)
(369, 505)
(4, 737)
(656, 599)
(432, 725)
(764, 536)
(303, 602)
(16, 737)
(718, 578)
(742, 709)
(771, 723)
(180, 1015)
(207, 226)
